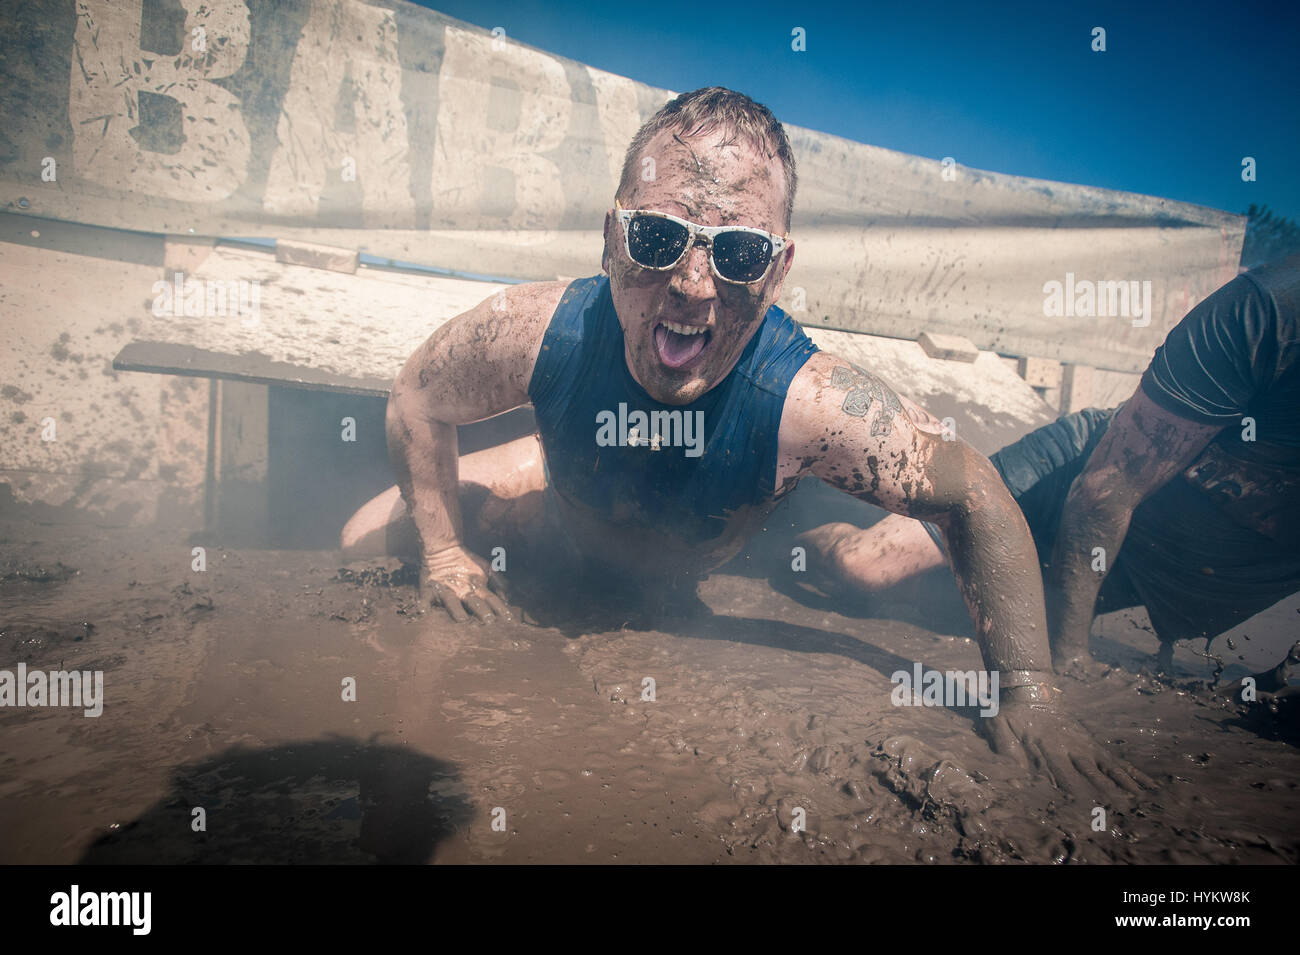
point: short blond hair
(709, 109)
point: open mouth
(679, 345)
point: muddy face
(711, 180)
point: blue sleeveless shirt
(585, 400)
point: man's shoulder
(535, 299)
(567, 298)
(821, 376)
(1258, 307)
(827, 379)
(507, 328)
(517, 316)
(1279, 282)
(1236, 345)
(1263, 301)
(1284, 271)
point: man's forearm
(996, 566)
(1090, 535)
(424, 454)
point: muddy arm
(848, 428)
(475, 366)
(1144, 447)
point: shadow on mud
(930, 601)
(336, 800)
(1274, 717)
(610, 605)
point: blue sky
(1183, 92)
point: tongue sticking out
(676, 350)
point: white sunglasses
(738, 255)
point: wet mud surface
(224, 691)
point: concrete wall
(126, 448)
(390, 128)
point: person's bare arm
(844, 425)
(851, 430)
(1144, 447)
(475, 366)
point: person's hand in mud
(1031, 728)
(1264, 687)
(464, 584)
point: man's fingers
(1057, 767)
(1128, 778)
(479, 602)
(1141, 778)
(1064, 753)
(498, 596)
(1005, 742)
(1039, 756)
(498, 606)
(1125, 780)
(443, 596)
(478, 607)
(1091, 770)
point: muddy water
(538, 742)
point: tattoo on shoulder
(863, 389)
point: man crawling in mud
(1185, 499)
(676, 406)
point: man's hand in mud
(1040, 736)
(464, 584)
(1268, 685)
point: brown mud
(223, 690)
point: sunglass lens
(741, 256)
(655, 243)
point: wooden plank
(167, 358)
(240, 506)
(1076, 388)
(317, 256)
(948, 347)
(300, 325)
(1040, 372)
